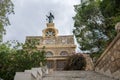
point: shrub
(76, 62)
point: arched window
(49, 54)
(64, 53)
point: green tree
(6, 8)
(5, 61)
(89, 27)
(94, 24)
(14, 59)
(111, 11)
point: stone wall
(55, 44)
(89, 62)
(109, 62)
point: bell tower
(50, 31)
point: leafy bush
(76, 62)
(14, 60)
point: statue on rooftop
(50, 18)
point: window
(60, 64)
(64, 53)
(49, 54)
(50, 64)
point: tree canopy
(15, 56)
(6, 8)
(110, 9)
(92, 27)
(13, 59)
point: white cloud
(30, 18)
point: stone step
(76, 75)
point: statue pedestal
(50, 24)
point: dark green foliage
(94, 24)
(89, 27)
(111, 7)
(95, 56)
(31, 44)
(14, 59)
(6, 8)
(111, 11)
(76, 62)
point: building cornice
(57, 46)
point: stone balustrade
(33, 74)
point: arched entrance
(50, 63)
(60, 63)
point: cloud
(30, 18)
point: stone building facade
(109, 61)
(57, 48)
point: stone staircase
(76, 75)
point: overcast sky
(30, 18)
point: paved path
(76, 75)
